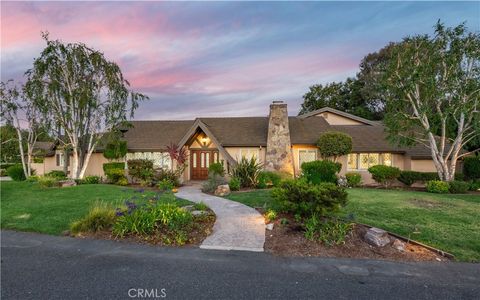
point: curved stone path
(237, 227)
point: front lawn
(447, 222)
(28, 207)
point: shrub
(353, 179)
(91, 180)
(321, 171)
(474, 185)
(268, 179)
(212, 183)
(471, 167)
(304, 199)
(32, 178)
(330, 232)
(122, 181)
(216, 168)
(165, 185)
(16, 173)
(166, 220)
(234, 184)
(437, 186)
(3, 172)
(271, 215)
(48, 182)
(458, 187)
(247, 171)
(60, 175)
(100, 217)
(113, 165)
(140, 169)
(115, 175)
(200, 206)
(384, 174)
(334, 144)
(164, 174)
(115, 149)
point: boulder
(64, 183)
(377, 237)
(399, 245)
(269, 226)
(199, 213)
(189, 207)
(222, 190)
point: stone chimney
(279, 153)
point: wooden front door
(200, 160)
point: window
(363, 161)
(194, 159)
(306, 156)
(59, 159)
(160, 159)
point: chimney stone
(278, 153)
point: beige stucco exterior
(95, 165)
(334, 119)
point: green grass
(447, 222)
(28, 207)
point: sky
(216, 59)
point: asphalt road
(38, 266)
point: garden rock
(65, 183)
(269, 226)
(377, 237)
(222, 190)
(199, 213)
(399, 245)
(189, 207)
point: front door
(200, 160)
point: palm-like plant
(247, 171)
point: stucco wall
(95, 165)
(334, 119)
(39, 168)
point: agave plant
(247, 171)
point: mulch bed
(289, 240)
(202, 227)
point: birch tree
(84, 94)
(19, 111)
(432, 87)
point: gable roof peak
(340, 113)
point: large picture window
(363, 161)
(306, 155)
(160, 159)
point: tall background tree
(20, 112)
(83, 94)
(432, 93)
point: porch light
(204, 140)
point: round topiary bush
(334, 144)
(16, 173)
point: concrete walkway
(238, 227)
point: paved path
(238, 227)
(36, 266)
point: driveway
(36, 266)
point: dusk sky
(221, 58)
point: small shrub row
(443, 187)
(384, 174)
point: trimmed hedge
(319, 171)
(384, 174)
(458, 187)
(113, 165)
(411, 177)
(471, 167)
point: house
(279, 141)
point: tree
(18, 110)
(9, 145)
(432, 89)
(334, 144)
(84, 94)
(115, 149)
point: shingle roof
(155, 135)
(253, 131)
